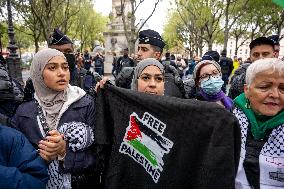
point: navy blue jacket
(82, 110)
(20, 165)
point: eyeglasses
(206, 76)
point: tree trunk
(226, 30)
(200, 42)
(280, 24)
(190, 48)
(124, 20)
(131, 46)
(210, 45)
(36, 46)
(200, 46)
(20, 52)
(236, 46)
(279, 28)
(36, 41)
(195, 46)
(133, 35)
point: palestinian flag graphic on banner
(144, 142)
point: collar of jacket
(30, 110)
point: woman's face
(266, 93)
(151, 80)
(208, 71)
(56, 74)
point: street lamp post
(1, 44)
(13, 59)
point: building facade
(243, 50)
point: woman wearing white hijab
(59, 122)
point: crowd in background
(56, 109)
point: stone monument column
(115, 40)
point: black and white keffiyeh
(57, 179)
(79, 136)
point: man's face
(261, 51)
(146, 51)
(125, 52)
(66, 48)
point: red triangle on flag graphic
(134, 131)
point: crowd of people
(48, 128)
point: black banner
(165, 142)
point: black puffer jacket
(11, 95)
(238, 80)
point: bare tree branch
(136, 7)
(122, 4)
(155, 6)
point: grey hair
(262, 65)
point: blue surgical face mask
(212, 86)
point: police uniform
(173, 83)
(59, 38)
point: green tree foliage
(233, 11)
(208, 21)
(200, 22)
(88, 26)
(27, 23)
(35, 20)
(263, 18)
(173, 36)
(23, 40)
(3, 34)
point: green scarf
(260, 125)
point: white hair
(262, 65)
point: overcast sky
(156, 22)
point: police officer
(11, 94)
(59, 41)
(151, 45)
